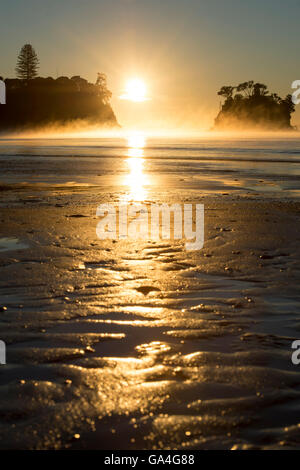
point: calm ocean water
(268, 166)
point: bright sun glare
(135, 90)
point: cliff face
(250, 105)
(44, 101)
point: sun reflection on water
(136, 179)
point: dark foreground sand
(142, 345)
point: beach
(142, 344)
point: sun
(135, 90)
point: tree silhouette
(101, 84)
(250, 105)
(226, 91)
(27, 63)
(41, 101)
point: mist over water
(209, 162)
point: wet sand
(142, 344)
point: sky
(184, 50)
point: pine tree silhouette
(27, 64)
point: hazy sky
(185, 50)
